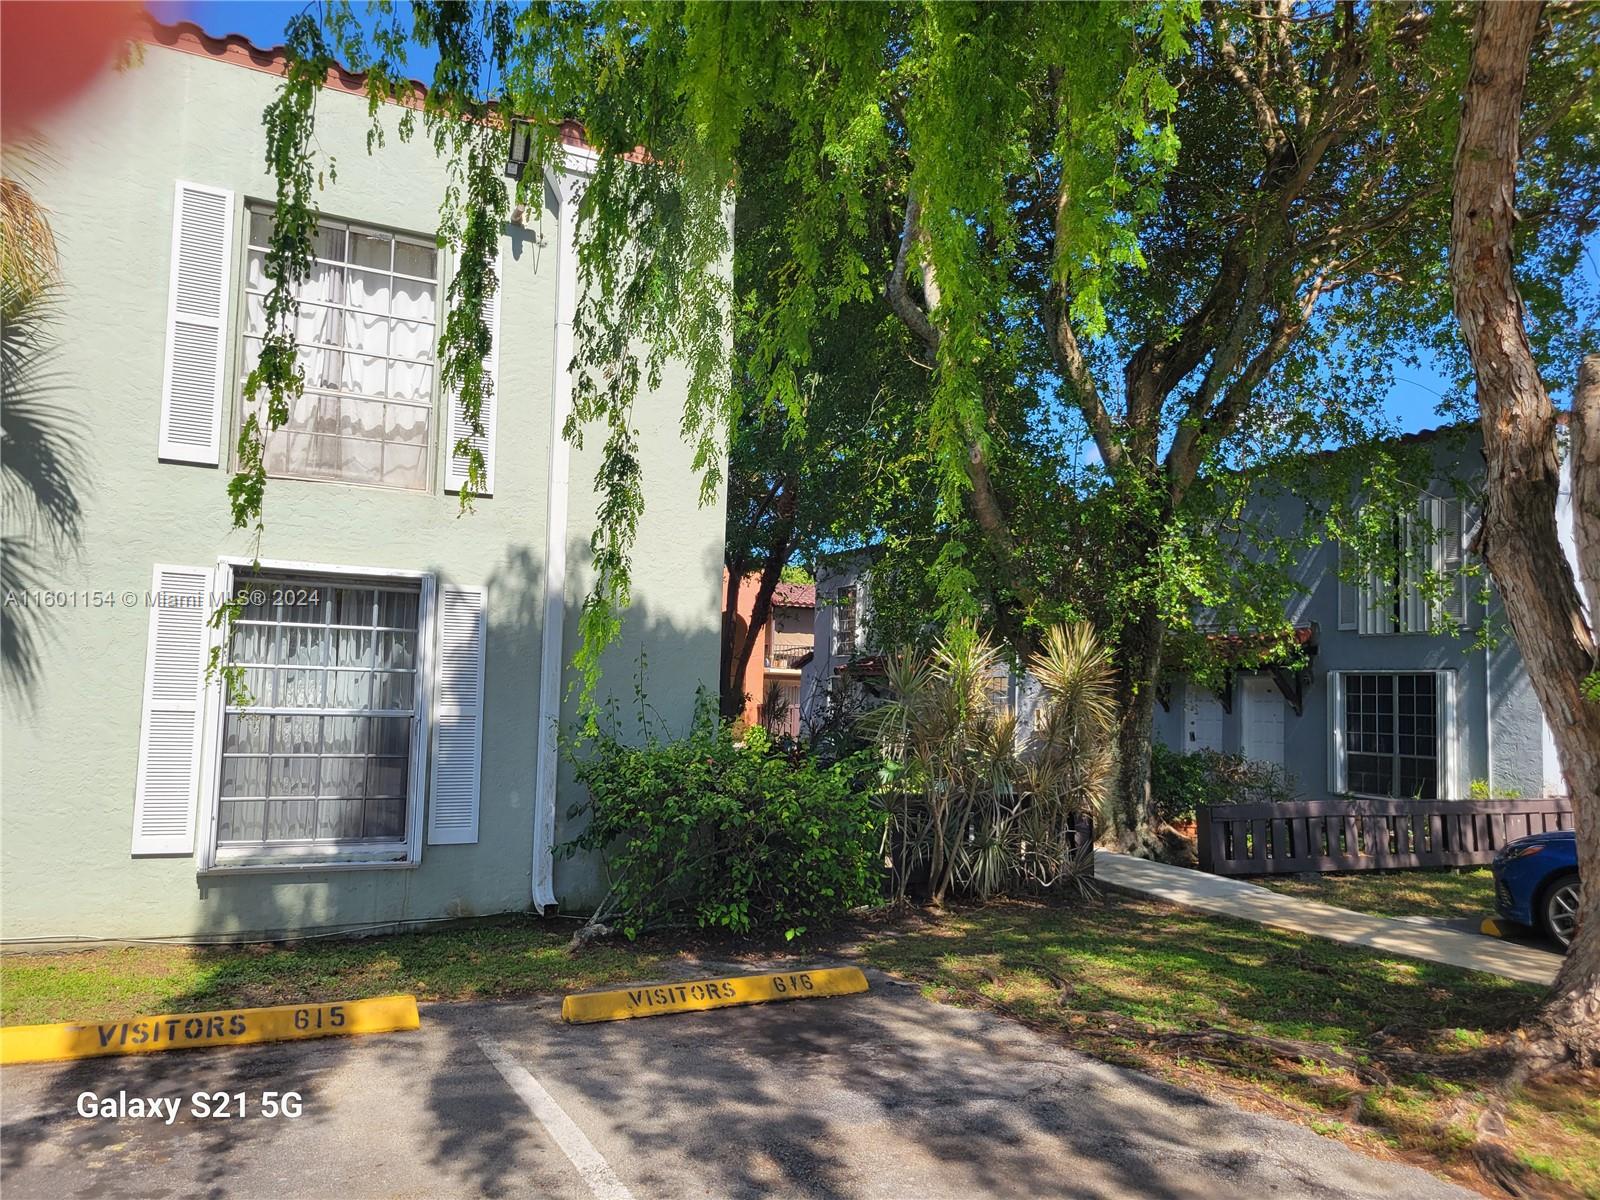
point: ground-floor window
(1391, 734)
(320, 757)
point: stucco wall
(71, 737)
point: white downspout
(1488, 714)
(568, 185)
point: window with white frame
(366, 331)
(844, 622)
(1392, 733)
(320, 758)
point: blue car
(1536, 883)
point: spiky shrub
(980, 809)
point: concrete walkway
(1433, 941)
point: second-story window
(366, 332)
(1389, 596)
(844, 623)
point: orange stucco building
(784, 645)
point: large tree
(1193, 236)
(1304, 215)
(1519, 536)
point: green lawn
(1275, 1021)
(512, 957)
(1444, 894)
(1375, 1050)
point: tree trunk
(1138, 660)
(777, 557)
(1519, 538)
(1584, 425)
(771, 575)
(730, 702)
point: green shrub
(721, 834)
(1180, 783)
(1479, 789)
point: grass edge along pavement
(1444, 894)
(1388, 1054)
(1265, 1019)
(493, 959)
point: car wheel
(1561, 908)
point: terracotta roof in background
(240, 51)
(795, 595)
(1237, 645)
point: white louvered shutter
(1417, 544)
(1349, 594)
(1449, 743)
(1336, 747)
(1451, 520)
(169, 739)
(456, 465)
(1373, 603)
(197, 324)
(458, 715)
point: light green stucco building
(410, 662)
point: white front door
(1263, 720)
(1202, 719)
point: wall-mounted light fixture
(521, 148)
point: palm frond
(29, 265)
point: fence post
(1202, 836)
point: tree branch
(900, 300)
(1266, 119)
(985, 500)
(1220, 419)
(1069, 360)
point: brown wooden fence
(1362, 835)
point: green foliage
(1479, 789)
(1200, 239)
(1182, 783)
(276, 378)
(972, 808)
(1177, 783)
(1590, 686)
(824, 124)
(726, 834)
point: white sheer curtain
(366, 331)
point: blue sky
(1411, 404)
(262, 21)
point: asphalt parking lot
(878, 1095)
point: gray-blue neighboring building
(1390, 705)
(1387, 706)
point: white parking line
(563, 1130)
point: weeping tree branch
(983, 497)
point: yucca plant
(983, 807)
(1071, 758)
